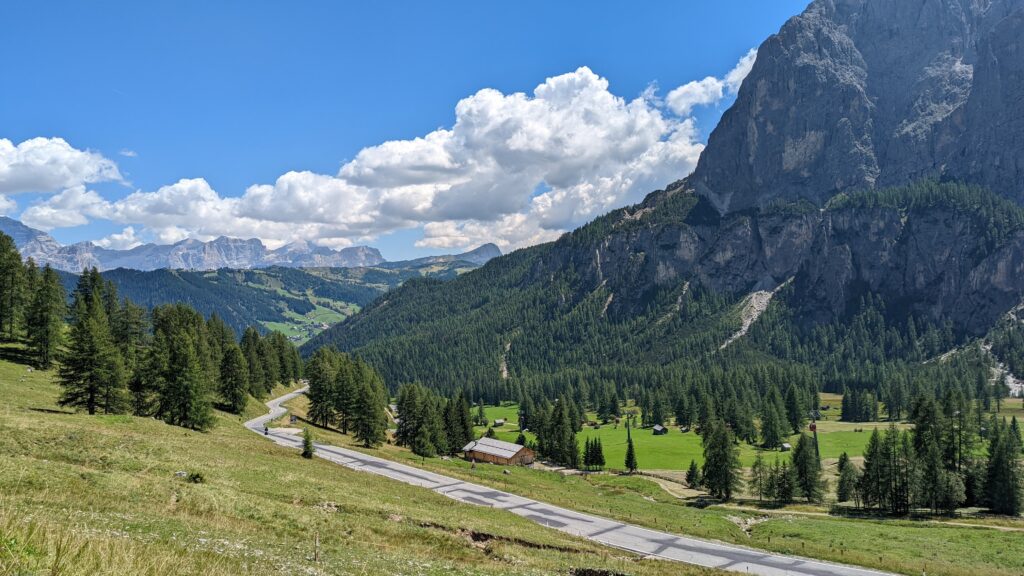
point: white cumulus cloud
(123, 240)
(710, 90)
(50, 165)
(514, 169)
(72, 207)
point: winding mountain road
(643, 541)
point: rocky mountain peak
(865, 94)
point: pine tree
(772, 430)
(322, 374)
(458, 423)
(91, 371)
(369, 423)
(784, 483)
(873, 481)
(721, 472)
(693, 476)
(796, 414)
(259, 385)
(630, 462)
(758, 476)
(521, 439)
(234, 379)
(185, 390)
(846, 487)
(12, 279)
(1004, 477)
(45, 318)
(807, 468)
(307, 443)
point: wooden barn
(498, 452)
(659, 430)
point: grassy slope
(901, 546)
(98, 495)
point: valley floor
(903, 546)
(620, 535)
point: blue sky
(240, 93)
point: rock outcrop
(865, 94)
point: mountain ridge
(191, 254)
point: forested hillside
(297, 302)
(583, 316)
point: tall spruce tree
(807, 468)
(721, 473)
(758, 476)
(796, 409)
(630, 461)
(846, 485)
(91, 372)
(186, 388)
(1004, 476)
(12, 278)
(458, 422)
(45, 318)
(369, 423)
(234, 379)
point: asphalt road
(609, 532)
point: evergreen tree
(322, 374)
(185, 387)
(807, 468)
(12, 279)
(873, 481)
(91, 371)
(481, 416)
(773, 432)
(846, 486)
(1004, 477)
(599, 460)
(758, 476)
(630, 462)
(796, 413)
(234, 379)
(458, 423)
(45, 318)
(521, 439)
(258, 382)
(307, 443)
(693, 476)
(784, 483)
(721, 472)
(369, 424)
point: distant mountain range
(219, 253)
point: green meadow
(675, 450)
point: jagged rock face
(860, 94)
(931, 261)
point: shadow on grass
(51, 411)
(15, 354)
